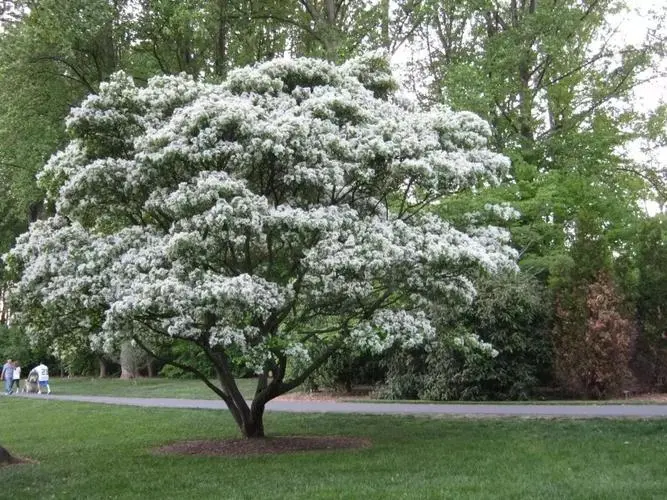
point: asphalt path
(307, 406)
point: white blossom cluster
(472, 344)
(388, 328)
(279, 210)
(493, 213)
(503, 211)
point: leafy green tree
(650, 363)
(49, 60)
(13, 345)
(558, 92)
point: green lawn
(143, 387)
(99, 451)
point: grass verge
(100, 451)
(195, 389)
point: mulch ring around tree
(17, 461)
(7, 459)
(262, 446)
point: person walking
(8, 376)
(42, 378)
(17, 377)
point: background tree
(558, 89)
(650, 362)
(594, 341)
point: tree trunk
(386, 22)
(221, 40)
(6, 457)
(250, 420)
(131, 358)
(103, 367)
(4, 311)
(253, 426)
(332, 35)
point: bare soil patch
(263, 446)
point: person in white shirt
(17, 377)
(42, 378)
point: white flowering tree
(270, 220)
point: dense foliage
(649, 363)
(511, 312)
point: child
(43, 378)
(17, 377)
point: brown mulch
(17, 461)
(262, 446)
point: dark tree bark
(6, 457)
(221, 40)
(254, 426)
(248, 417)
(4, 310)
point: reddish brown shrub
(593, 340)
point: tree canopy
(262, 218)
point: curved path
(301, 406)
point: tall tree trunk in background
(102, 366)
(332, 34)
(221, 40)
(325, 27)
(526, 69)
(131, 358)
(4, 311)
(386, 22)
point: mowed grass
(99, 451)
(144, 387)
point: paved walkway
(301, 406)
